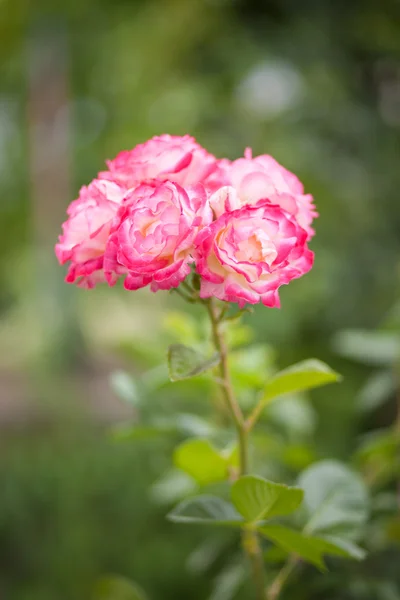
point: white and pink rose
(261, 178)
(166, 158)
(152, 242)
(86, 232)
(248, 253)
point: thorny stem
(251, 543)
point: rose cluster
(169, 205)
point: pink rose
(85, 233)
(262, 178)
(165, 157)
(247, 254)
(153, 238)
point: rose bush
(167, 206)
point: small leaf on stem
(200, 459)
(335, 498)
(185, 362)
(258, 499)
(309, 548)
(302, 376)
(206, 510)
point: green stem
(275, 589)
(182, 294)
(254, 415)
(187, 287)
(252, 547)
(250, 540)
(226, 384)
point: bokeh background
(314, 83)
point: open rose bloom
(245, 255)
(168, 207)
(153, 235)
(164, 157)
(86, 232)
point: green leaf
(202, 558)
(206, 510)
(190, 424)
(302, 376)
(200, 459)
(181, 423)
(350, 548)
(381, 445)
(377, 390)
(172, 487)
(184, 362)
(275, 555)
(378, 455)
(124, 387)
(335, 499)
(228, 582)
(258, 499)
(309, 548)
(370, 347)
(117, 588)
(298, 456)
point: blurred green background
(314, 83)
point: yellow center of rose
(257, 248)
